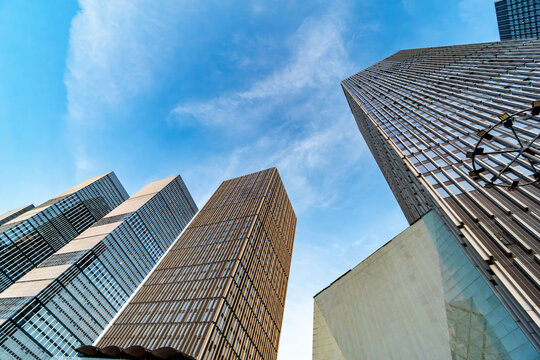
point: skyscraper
(35, 234)
(518, 19)
(421, 111)
(219, 292)
(69, 298)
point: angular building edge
(415, 297)
(520, 309)
(134, 234)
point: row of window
(74, 308)
(31, 241)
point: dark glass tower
(219, 292)
(35, 234)
(518, 19)
(420, 112)
(70, 297)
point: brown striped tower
(219, 292)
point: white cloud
(298, 113)
(82, 163)
(295, 118)
(319, 61)
(115, 49)
(311, 165)
(304, 127)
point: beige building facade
(417, 297)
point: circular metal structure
(508, 152)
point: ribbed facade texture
(420, 112)
(34, 235)
(12, 214)
(518, 19)
(70, 297)
(219, 293)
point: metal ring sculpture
(525, 148)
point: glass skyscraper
(35, 234)
(219, 292)
(68, 299)
(518, 19)
(417, 297)
(421, 111)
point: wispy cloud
(117, 52)
(304, 127)
(116, 48)
(313, 165)
(318, 59)
(299, 114)
(82, 162)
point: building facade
(417, 297)
(12, 214)
(219, 292)
(69, 298)
(29, 238)
(421, 111)
(518, 19)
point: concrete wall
(417, 297)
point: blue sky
(214, 90)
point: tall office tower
(518, 19)
(70, 297)
(34, 235)
(420, 112)
(219, 292)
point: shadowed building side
(70, 297)
(219, 292)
